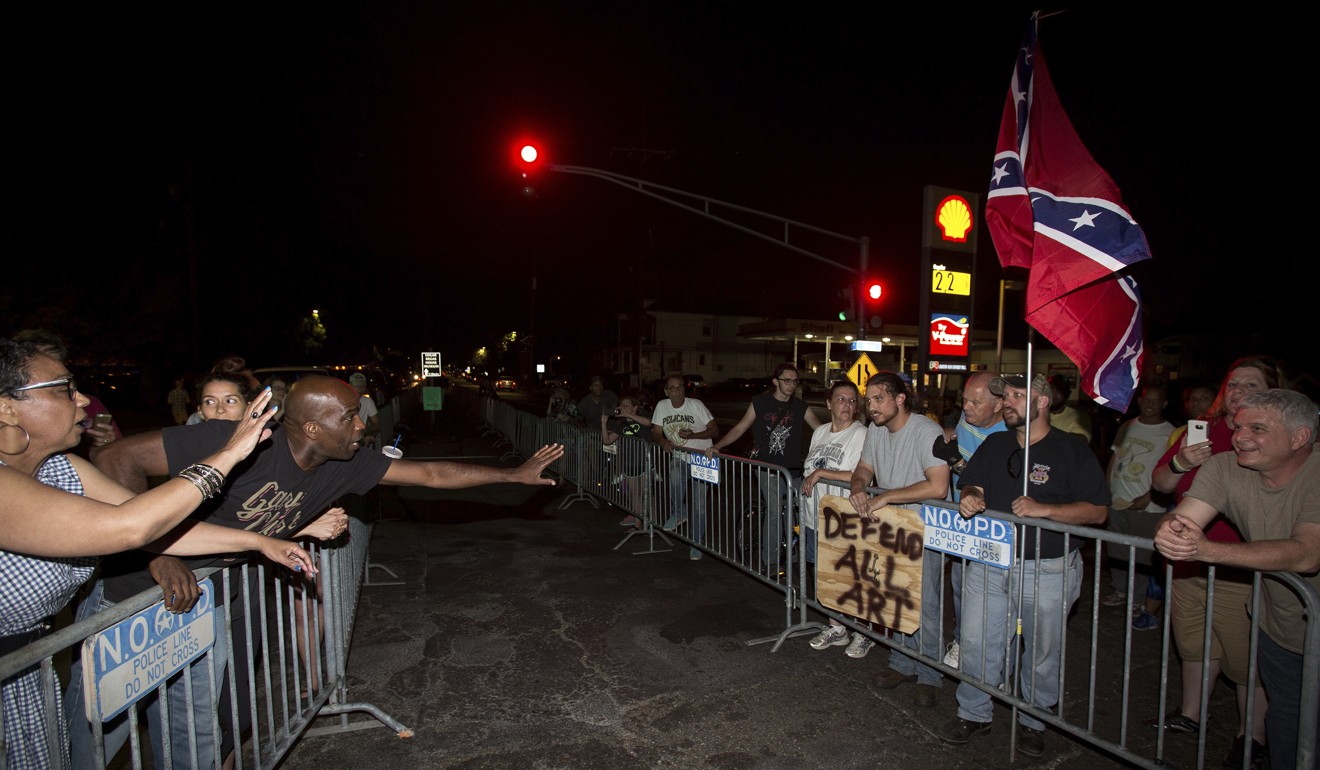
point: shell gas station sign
(948, 276)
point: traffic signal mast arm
(702, 205)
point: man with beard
(898, 457)
(1064, 483)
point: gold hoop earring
(27, 440)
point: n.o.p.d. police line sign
(132, 657)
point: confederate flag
(1053, 210)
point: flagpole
(1015, 638)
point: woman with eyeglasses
(57, 505)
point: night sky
(360, 163)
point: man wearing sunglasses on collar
(1064, 483)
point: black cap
(1019, 381)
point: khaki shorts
(1230, 633)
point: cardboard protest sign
(870, 569)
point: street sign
(705, 468)
(861, 371)
(431, 365)
(131, 658)
(433, 398)
(980, 538)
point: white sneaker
(834, 636)
(859, 647)
(951, 657)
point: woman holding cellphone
(1230, 628)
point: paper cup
(392, 451)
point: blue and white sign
(705, 468)
(980, 538)
(131, 658)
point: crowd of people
(59, 510)
(1239, 499)
(1256, 515)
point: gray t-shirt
(901, 459)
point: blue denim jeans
(681, 485)
(773, 487)
(115, 732)
(956, 584)
(927, 640)
(989, 609)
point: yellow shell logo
(954, 217)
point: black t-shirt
(266, 493)
(1063, 470)
(633, 444)
(777, 431)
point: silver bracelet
(207, 479)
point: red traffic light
(874, 290)
(528, 153)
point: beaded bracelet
(207, 479)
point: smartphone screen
(1196, 431)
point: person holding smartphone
(1230, 628)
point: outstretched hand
(530, 471)
(288, 554)
(327, 526)
(251, 429)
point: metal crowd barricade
(1096, 653)
(282, 687)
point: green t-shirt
(1262, 513)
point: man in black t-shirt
(1064, 483)
(776, 418)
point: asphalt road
(525, 634)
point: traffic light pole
(676, 197)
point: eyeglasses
(1016, 454)
(792, 380)
(673, 387)
(68, 383)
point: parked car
(694, 385)
(813, 389)
(290, 374)
(506, 383)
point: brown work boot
(927, 695)
(888, 679)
